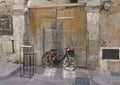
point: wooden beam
(55, 5)
(64, 17)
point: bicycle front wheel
(69, 63)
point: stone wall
(110, 34)
(92, 33)
(103, 32)
(103, 27)
(10, 44)
(60, 1)
(110, 25)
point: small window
(6, 25)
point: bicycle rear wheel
(69, 63)
(45, 61)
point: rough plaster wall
(110, 32)
(18, 30)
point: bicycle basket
(71, 52)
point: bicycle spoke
(69, 63)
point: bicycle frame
(65, 55)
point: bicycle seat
(53, 49)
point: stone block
(5, 8)
(92, 61)
(93, 47)
(113, 66)
(93, 26)
(19, 1)
(18, 7)
(8, 46)
(93, 3)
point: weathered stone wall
(60, 1)
(46, 2)
(103, 32)
(110, 33)
(10, 45)
(92, 33)
(103, 27)
(110, 25)
(5, 7)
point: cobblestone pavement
(59, 76)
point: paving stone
(100, 81)
(7, 69)
(116, 83)
(115, 74)
(100, 73)
(82, 73)
(55, 76)
(82, 81)
(115, 79)
(93, 83)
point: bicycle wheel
(45, 60)
(69, 63)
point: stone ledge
(19, 1)
(18, 7)
(91, 2)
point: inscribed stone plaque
(110, 54)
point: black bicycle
(53, 58)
